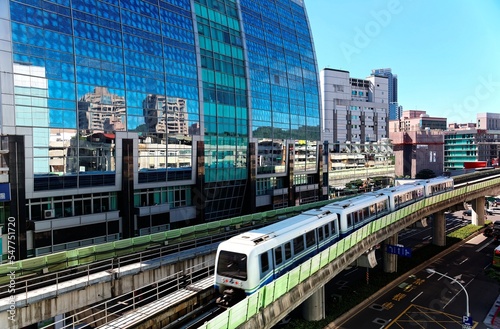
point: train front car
(231, 271)
(250, 260)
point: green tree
(425, 174)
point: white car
(493, 211)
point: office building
(354, 110)
(470, 142)
(395, 110)
(417, 120)
(488, 121)
(126, 118)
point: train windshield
(232, 264)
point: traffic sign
(466, 322)
(398, 250)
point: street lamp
(431, 271)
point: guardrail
(115, 265)
(250, 306)
(113, 308)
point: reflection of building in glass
(271, 156)
(165, 115)
(156, 156)
(31, 87)
(60, 142)
(305, 155)
(95, 153)
(101, 111)
(31, 109)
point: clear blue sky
(446, 53)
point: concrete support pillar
(391, 260)
(313, 309)
(439, 229)
(478, 211)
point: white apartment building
(355, 125)
(355, 111)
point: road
(413, 237)
(425, 300)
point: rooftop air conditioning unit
(49, 213)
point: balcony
(152, 210)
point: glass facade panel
(88, 70)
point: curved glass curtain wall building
(123, 118)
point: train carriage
(402, 195)
(437, 185)
(358, 211)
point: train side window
(310, 239)
(349, 219)
(366, 213)
(334, 230)
(264, 263)
(381, 207)
(278, 255)
(326, 229)
(288, 250)
(355, 221)
(320, 234)
(298, 244)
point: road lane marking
(452, 298)
(417, 296)
(351, 272)
(398, 297)
(485, 245)
(442, 276)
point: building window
(179, 196)
(71, 205)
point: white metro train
(250, 260)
